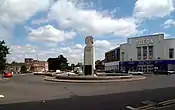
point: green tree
(63, 66)
(4, 51)
(13, 62)
(23, 69)
(72, 66)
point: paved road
(27, 92)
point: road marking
(163, 107)
(147, 102)
(167, 102)
(131, 108)
(1, 96)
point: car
(7, 74)
(171, 72)
(123, 71)
(159, 72)
(135, 72)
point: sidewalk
(1, 78)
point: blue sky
(49, 28)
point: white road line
(131, 108)
(1, 96)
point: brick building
(35, 65)
(14, 67)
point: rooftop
(146, 36)
(113, 49)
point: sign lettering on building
(144, 41)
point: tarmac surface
(30, 92)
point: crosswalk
(150, 105)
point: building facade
(100, 65)
(28, 63)
(14, 67)
(35, 65)
(112, 59)
(147, 53)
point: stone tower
(89, 56)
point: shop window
(171, 53)
(144, 52)
(138, 53)
(150, 50)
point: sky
(41, 29)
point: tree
(4, 51)
(72, 66)
(63, 66)
(23, 69)
(55, 63)
(13, 62)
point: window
(144, 52)
(171, 53)
(123, 55)
(150, 50)
(138, 53)
(110, 56)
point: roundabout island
(89, 74)
(99, 78)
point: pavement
(32, 92)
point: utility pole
(37, 56)
(26, 55)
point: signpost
(144, 41)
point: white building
(144, 53)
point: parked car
(135, 72)
(171, 72)
(78, 70)
(7, 74)
(164, 72)
(58, 72)
(123, 71)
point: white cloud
(49, 34)
(153, 8)
(18, 52)
(74, 53)
(5, 34)
(17, 11)
(165, 34)
(89, 21)
(169, 23)
(79, 46)
(102, 44)
(51, 44)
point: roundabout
(88, 73)
(102, 78)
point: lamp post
(37, 57)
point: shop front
(147, 66)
